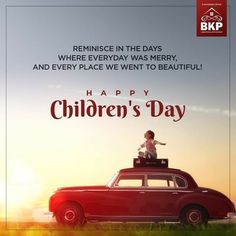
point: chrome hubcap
(70, 215)
(194, 217)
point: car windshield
(110, 182)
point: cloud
(54, 86)
(216, 111)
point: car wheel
(193, 215)
(70, 214)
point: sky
(43, 153)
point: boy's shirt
(150, 145)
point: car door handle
(142, 192)
(175, 193)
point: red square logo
(212, 18)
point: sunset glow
(50, 137)
(23, 188)
(2, 194)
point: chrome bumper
(231, 215)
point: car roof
(151, 169)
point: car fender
(207, 201)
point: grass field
(106, 229)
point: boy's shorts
(149, 155)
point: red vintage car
(141, 194)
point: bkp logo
(211, 18)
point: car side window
(130, 181)
(160, 181)
(180, 182)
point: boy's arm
(157, 142)
(162, 143)
(141, 146)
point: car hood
(84, 188)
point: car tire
(193, 215)
(70, 214)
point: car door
(162, 195)
(126, 198)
